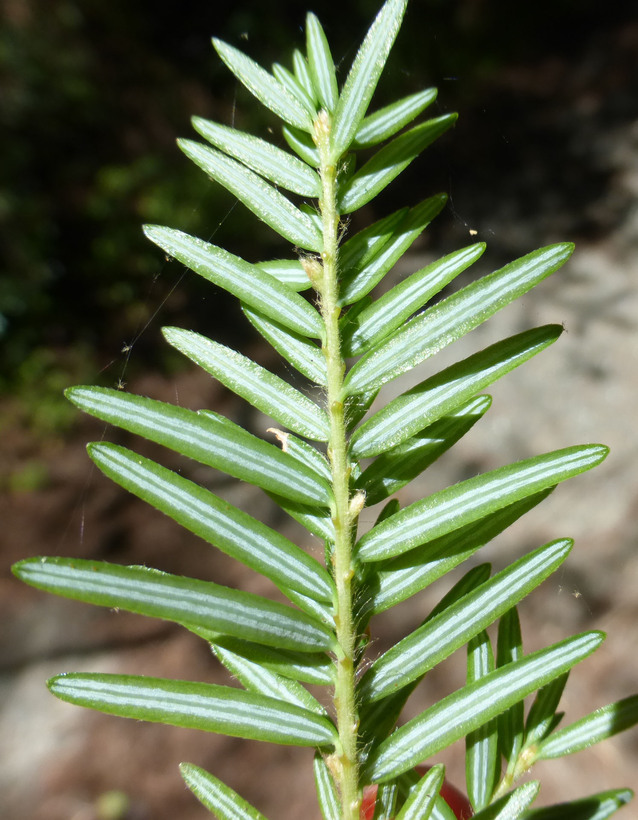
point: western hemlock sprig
(334, 457)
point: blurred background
(92, 98)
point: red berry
(367, 804)
(455, 799)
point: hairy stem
(347, 767)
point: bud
(314, 271)
(322, 127)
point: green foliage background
(94, 95)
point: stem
(346, 769)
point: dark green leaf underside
(233, 531)
(597, 726)
(427, 646)
(206, 437)
(399, 578)
(263, 389)
(446, 391)
(217, 796)
(464, 711)
(249, 283)
(203, 605)
(204, 706)
(595, 807)
(452, 318)
(470, 500)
